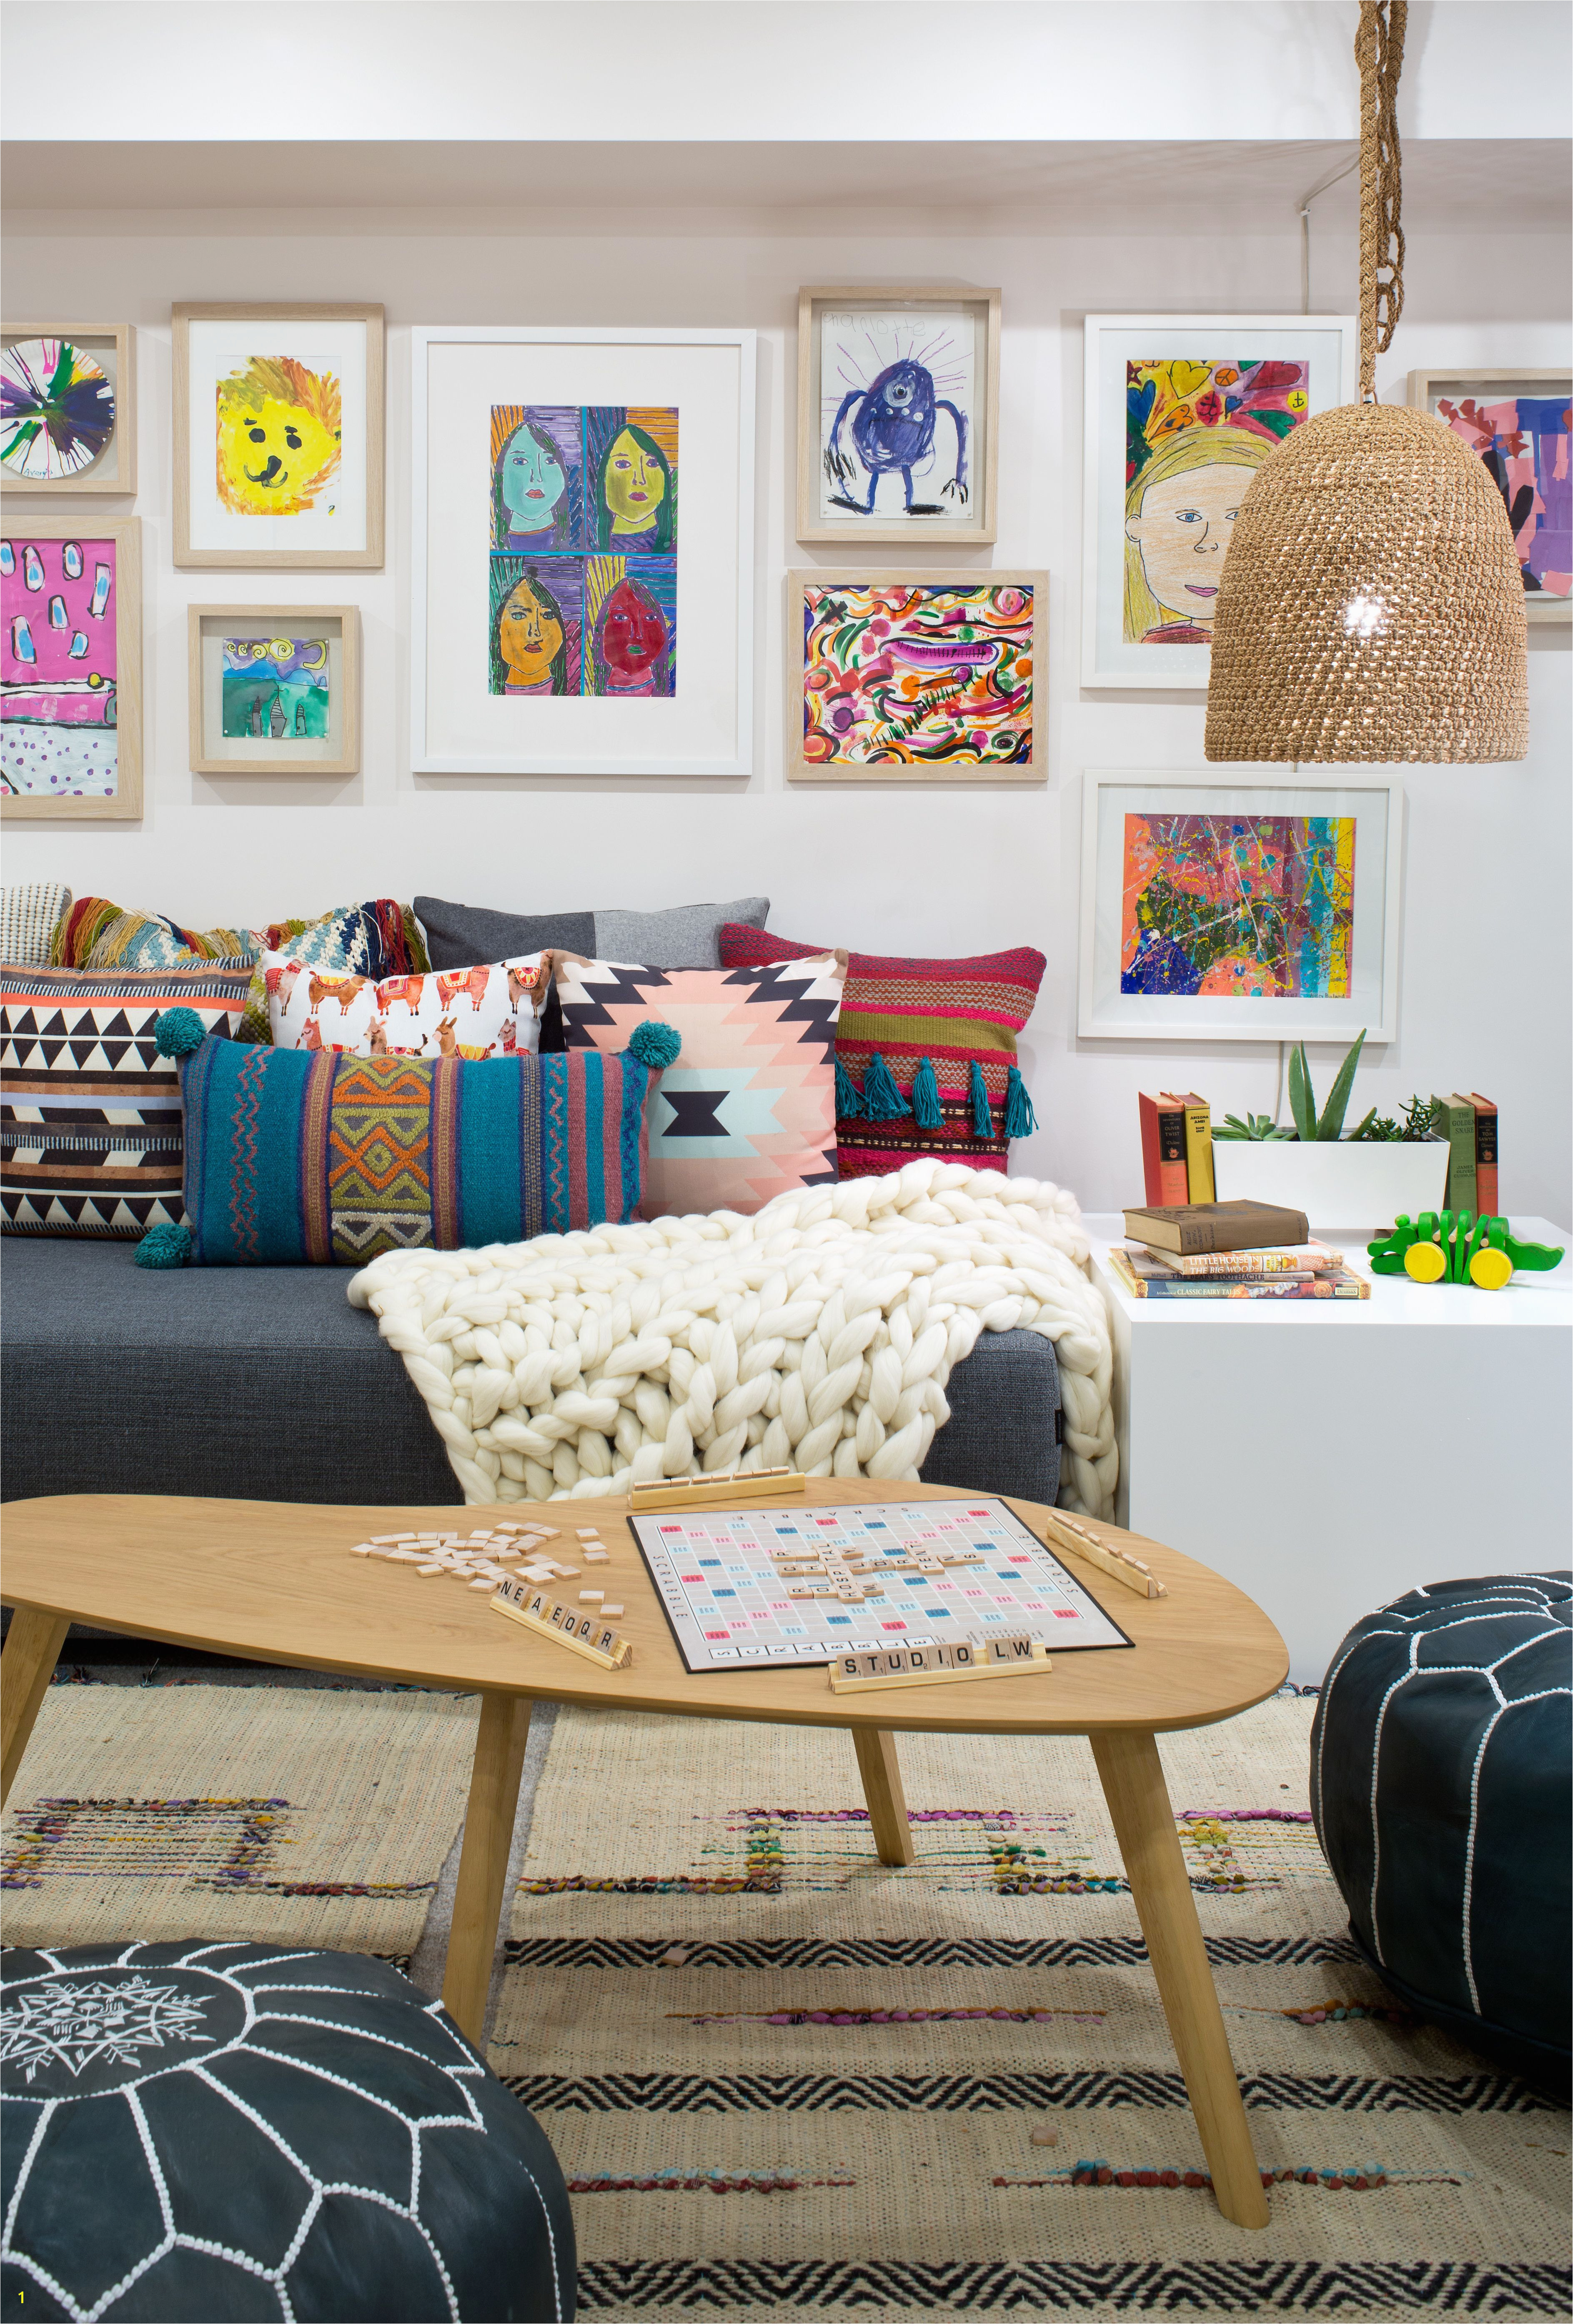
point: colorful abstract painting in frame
(898, 678)
(1518, 424)
(70, 670)
(67, 423)
(1265, 910)
(1181, 413)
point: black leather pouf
(1442, 1789)
(205, 2132)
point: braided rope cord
(1379, 53)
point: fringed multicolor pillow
(925, 1053)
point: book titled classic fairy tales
(1188, 1227)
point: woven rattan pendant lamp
(1371, 606)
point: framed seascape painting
(70, 670)
(1517, 425)
(582, 511)
(1220, 910)
(68, 408)
(275, 689)
(892, 678)
(1181, 410)
(898, 413)
(278, 436)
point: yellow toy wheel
(1490, 1269)
(1425, 1262)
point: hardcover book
(1453, 1118)
(1163, 1168)
(1335, 1283)
(1307, 1258)
(1192, 1227)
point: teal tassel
(982, 1119)
(848, 1096)
(164, 1246)
(926, 1110)
(177, 1032)
(1020, 1118)
(655, 1044)
(882, 1101)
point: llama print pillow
(451, 1012)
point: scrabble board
(795, 1587)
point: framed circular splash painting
(67, 409)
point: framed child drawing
(70, 670)
(582, 584)
(67, 409)
(278, 413)
(1518, 424)
(1181, 410)
(275, 689)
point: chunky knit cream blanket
(819, 1332)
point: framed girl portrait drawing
(278, 413)
(1181, 412)
(582, 551)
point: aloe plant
(1329, 1124)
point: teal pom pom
(176, 1034)
(1020, 1118)
(848, 1096)
(882, 1101)
(982, 1119)
(655, 1044)
(926, 1110)
(166, 1245)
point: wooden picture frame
(59, 574)
(113, 346)
(209, 668)
(1358, 849)
(915, 750)
(310, 376)
(949, 378)
(1493, 383)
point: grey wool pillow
(459, 935)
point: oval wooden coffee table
(274, 1580)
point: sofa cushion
(485, 1012)
(28, 918)
(685, 936)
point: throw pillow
(749, 1109)
(299, 1158)
(684, 937)
(925, 1054)
(377, 939)
(28, 918)
(89, 1112)
(461, 1012)
(98, 934)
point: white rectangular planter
(1337, 1184)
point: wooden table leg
(483, 1863)
(32, 1646)
(881, 1787)
(1132, 1780)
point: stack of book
(1228, 1250)
(1468, 1122)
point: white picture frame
(1324, 346)
(592, 716)
(1372, 804)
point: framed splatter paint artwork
(582, 551)
(68, 408)
(1518, 424)
(275, 689)
(892, 678)
(898, 413)
(1265, 911)
(1182, 412)
(70, 670)
(278, 415)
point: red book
(1486, 1194)
(1163, 1150)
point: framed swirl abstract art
(897, 678)
(68, 408)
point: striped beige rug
(780, 2076)
(292, 1815)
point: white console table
(1329, 1457)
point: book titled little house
(1228, 1250)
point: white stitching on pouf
(819, 1333)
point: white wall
(1486, 984)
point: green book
(1453, 1119)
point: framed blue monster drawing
(898, 413)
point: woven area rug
(780, 2076)
(295, 1816)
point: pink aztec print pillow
(748, 1110)
(925, 1053)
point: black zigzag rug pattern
(780, 2075)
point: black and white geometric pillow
(232, 2131)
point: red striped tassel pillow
(925, 1052)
